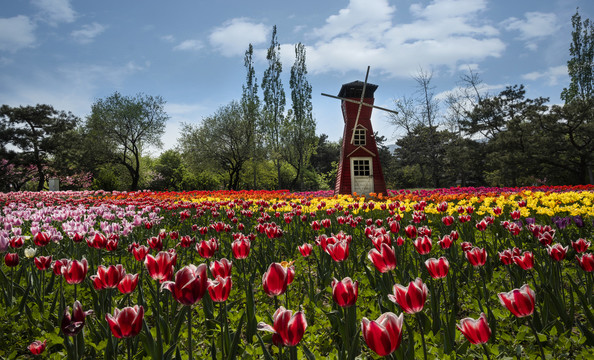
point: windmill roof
(355, 88)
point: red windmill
(359, 170)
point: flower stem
(418, 316)
(542, 355)
(190, 355)
(129, 340)
(486, 349)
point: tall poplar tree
(250, 103)
(581, 65)
(300, 126)
(274, 104)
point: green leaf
(265, 351)
(236, 337)
(308, 354)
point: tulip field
(459, 273)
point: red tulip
(41, 239)
(98, 241)
(345, 292)
(580, 246)
(412, 298)
(525, 261)
(410, 231)
(482, 225)
(384, 260)
(276, 279)
(442, 206)
(384, 334)
(445, 242)
(108, 278)
(219, 288)
(506, 257)
(221, 268)
(339, 251)
(155, 243)
(475, 331)
(57, 266)
(515, 215)
(37, 347)
(454, 235)
(11, 259)
(557, 252)
(287, 329)
(438, 268)
(72, 325)
(476, 256)
(207, 248)
(126, 323)
(161, 266)
(140, 252)
(394, 227)
(519, 301)
(241, 248)
(465, 246)
(128, 283)
(112, 245)
(586, 262)
(74, 271)
(378, 239)
(189, 285)
(17, 242)
(546, 238)
(423, 245)
(43, 262)
(305, 249)
(447, 220)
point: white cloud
(88, 33)
(535, 25)
(16, 33)
(56, 11)
(234, 36)
(168, 38)
(189, 45)
(361, 18)
(445, 33)
(551, 75)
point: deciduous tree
(299, 130)
(274, 104)
(126, 125)
(35, 134)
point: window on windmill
(361, 168)
(359, 138)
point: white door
(362, 175)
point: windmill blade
(360, 104)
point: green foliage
(124, 125)
(36, 135)
(219, 144)
(581, 64)
(274, 104)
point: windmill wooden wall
(351, 150)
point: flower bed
(447, 273)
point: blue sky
(68, 53)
